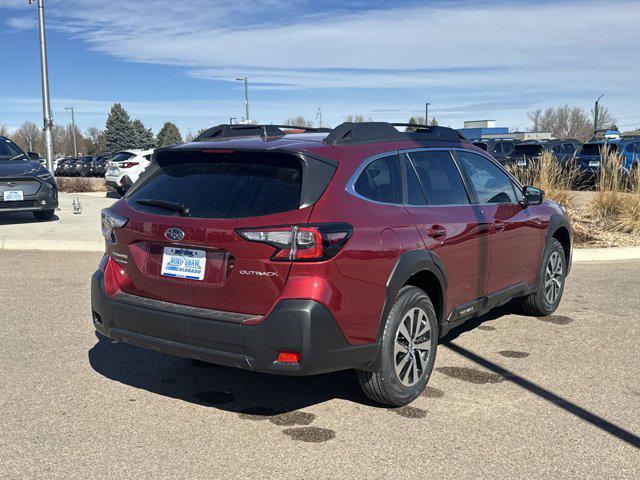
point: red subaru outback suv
(297, 254)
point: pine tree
(169, 135)
(143, 137)
(119, 131)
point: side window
(497, 147)
(439, 177)
(491, 184)
(557, 148)
(415, 194)
(569, 148)
(380, 181)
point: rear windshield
(594, 148)
(122, 156)
(527, 150)
(225, 187)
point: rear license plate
(183, 263)
(594, 163)
(13, 196)
(521, 162)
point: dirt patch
(513, 354)
(310, 434)
(556, 319)
(411, 412)
(471, 375)
(431, 392)
(290, 419)
(486, 328)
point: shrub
(628, 220)
(608, 202)
(547, 173)
(80, 184)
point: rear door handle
(436, 231)
(497, 225)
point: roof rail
(350, 133)
(225, 131)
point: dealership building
(487, 129)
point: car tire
(400, 380)
(120, 191)
(43, 215)
(550, 286)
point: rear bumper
(294, 325)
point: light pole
(73, 129)
(231, 119)
(596, 115)
(46, 104)
(426, 113)
(246, 96)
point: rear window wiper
(174, 206)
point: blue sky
(177, 60)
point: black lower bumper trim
(302, 326)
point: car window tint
(439, 177)
(569, 148)
(557, 149)
(492, 184)
(507, 147)
(497, 147)
(415, 195)
(8, 149)
(229, 187)
(380, 181)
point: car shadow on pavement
(16, 218)
(225, 388)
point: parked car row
(88, 166)
(587, 157)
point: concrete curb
(588, 255)
(52, 245)
(580, 255)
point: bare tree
(30, 137)
(95, 141)
(4, 130)
(298, 121)
(568, 122)
(357, 119)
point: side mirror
(533, 195)
(33, 155)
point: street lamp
(246, 96)
(46, 104)
(73, 130)
(596, 114)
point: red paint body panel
(352, 286)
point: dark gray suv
(25, 184)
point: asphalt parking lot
(511, 397)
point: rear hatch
(591, 153)
(118, 161)
(224, 190)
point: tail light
(115, 278)
(302, 243)
(110, 221)
(127, 164)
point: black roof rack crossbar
(350, 133)
(225, 131)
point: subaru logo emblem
(174, 234)
(12, 184)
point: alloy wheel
(411, 347)
(553, 278)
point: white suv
(125, 168)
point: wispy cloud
(545, 46)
